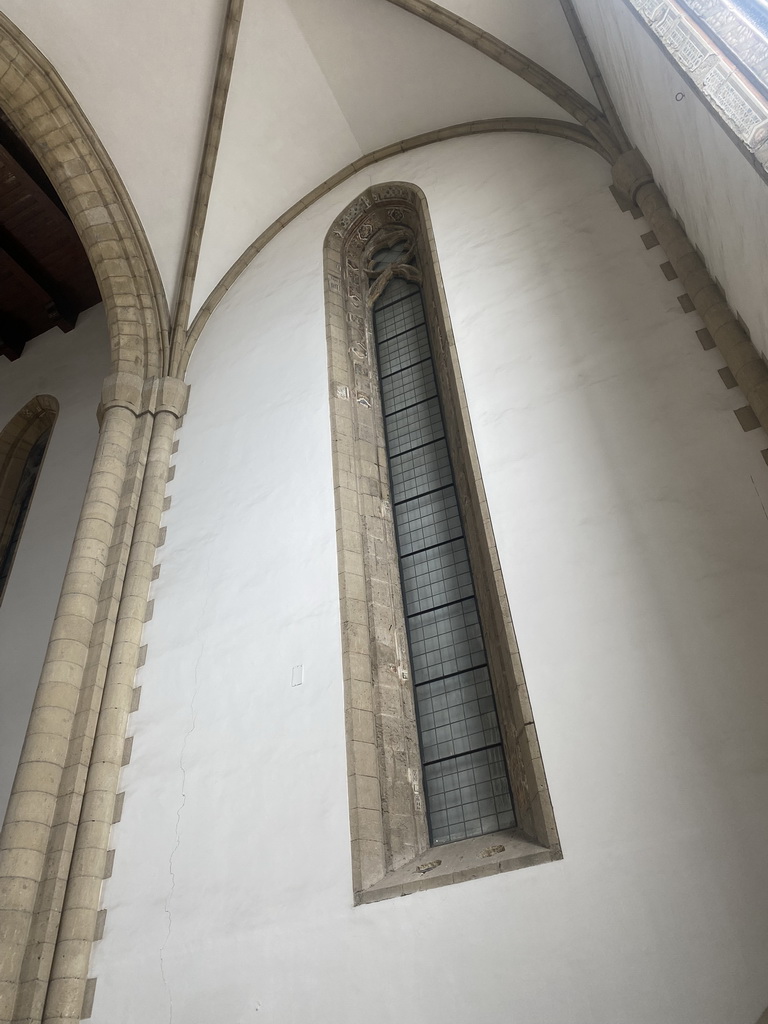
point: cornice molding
(737, 33)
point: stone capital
(143, 395)
(165, 394)
(121, 389)
(172, 396)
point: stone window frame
(391, 855)
(17, 439)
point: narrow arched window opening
(23, 444)
(445, 774)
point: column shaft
(36, 967)
(81, 903)
(25, 835)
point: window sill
(460, 862)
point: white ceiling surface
(316, 85)
(720, 197)
(538, 29)
(283, 134)
(142, 71)
(396, 75)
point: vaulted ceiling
(316, 84)
(314, 87)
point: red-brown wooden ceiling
(45, 278)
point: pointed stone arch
(603, 125)
(49, 119)
(533, 125)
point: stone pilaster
(633, 177)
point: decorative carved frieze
(734, 98)
(743, 30)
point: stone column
(165, 401)
(633, 177)
(26, 832)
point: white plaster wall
(70, 367)
(708, 182)
(629, 510)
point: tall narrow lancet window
(23, 443)
(445, 775)
(465, 776)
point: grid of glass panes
(465, 775)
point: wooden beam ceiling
(45, 278)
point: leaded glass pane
(437, 576)
(409, 387)
(420, 471)
(414, 427)
(445, 641)
(402, 350)
(457, 714)
(428, 519)
(465, 773)
(468, 795)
